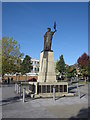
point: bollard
(78, 90)
(15, 87)
(77, 78)
(23, 95)
(71, 80)
(54, 93)
(20, 90)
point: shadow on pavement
(59, 97)
(82, 95)
(72, 89)
(10, 100)
(83, 113)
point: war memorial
(47, 82)
(24, 98)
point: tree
(60, 65)
(89, 69)
(0, 57)
(71, 71)
(83, 64)
(26, 65)
(11, 56)
(83, 61)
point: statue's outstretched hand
(54, 31)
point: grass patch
(82, 82)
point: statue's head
(49, 29)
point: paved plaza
(64, 107)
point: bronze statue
(48, 38)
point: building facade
(35, 65)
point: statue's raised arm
(54, 31)
(54, 27)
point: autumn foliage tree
(83, 61)
(83, 64)
(89, 68)
(0, 57)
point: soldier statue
(48, 38)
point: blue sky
(28, 22)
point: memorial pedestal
(47, 78)
(47, 67)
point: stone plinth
(47, 67)
(45, 89)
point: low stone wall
(21, 77)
